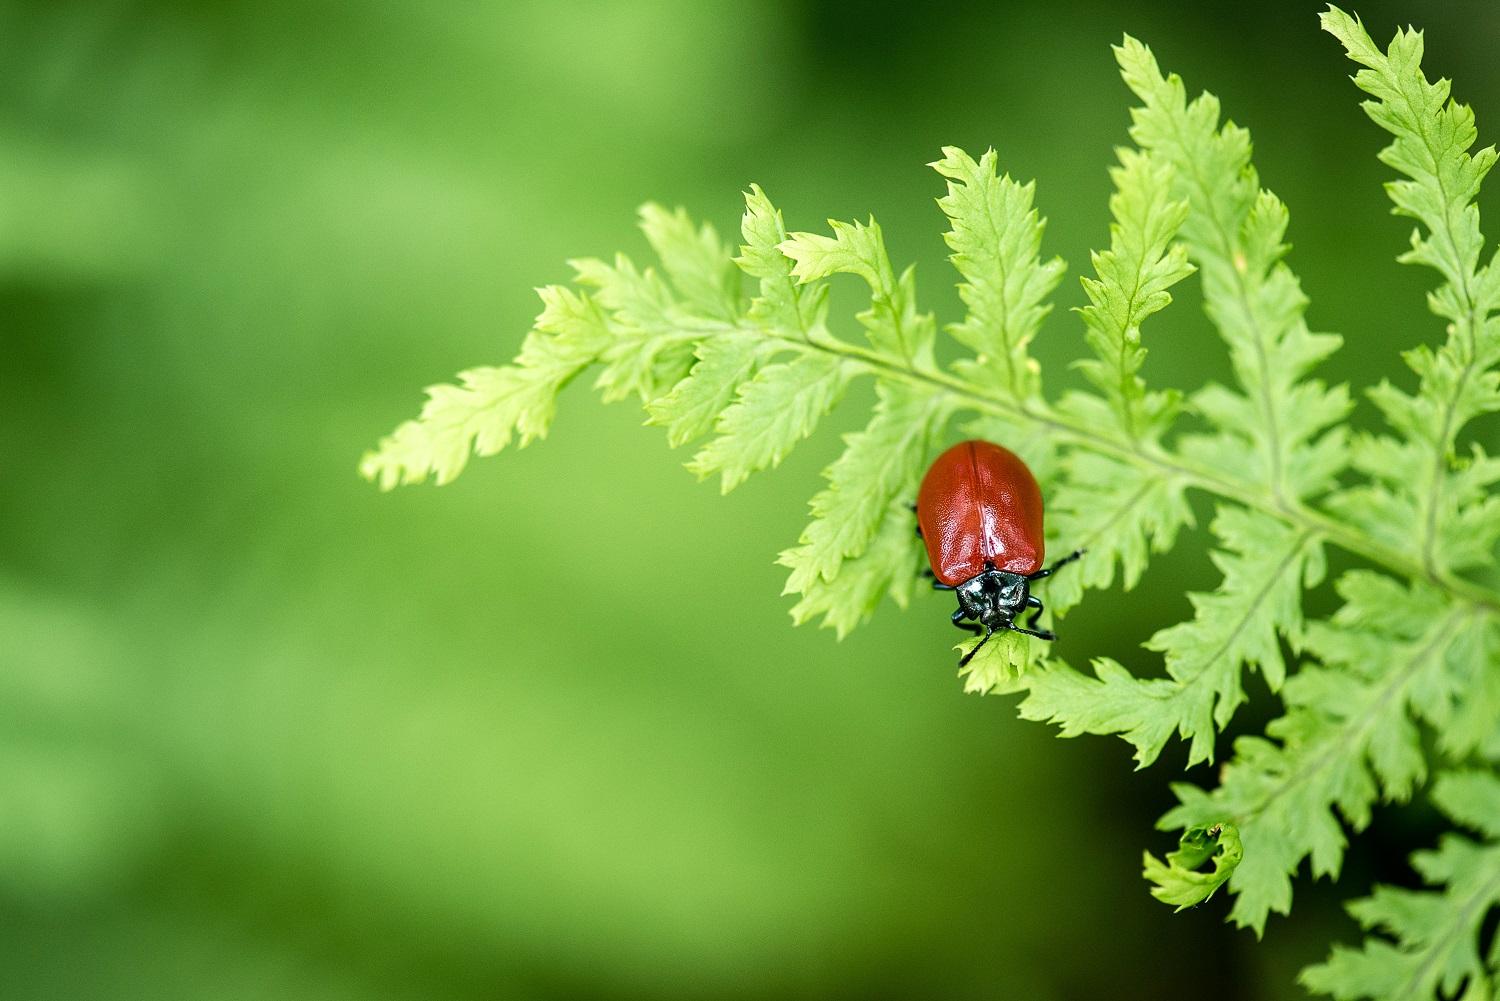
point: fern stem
(1213, 481)
(1473, 322)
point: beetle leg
(937, 585)
(1032, 601)
(958, 620)
(1057, 566)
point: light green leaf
(1134, 275)
(1118, 512)
(1003, 664)
(1266, 564)
(1347, 738)
(771, 413)
(996, 238)
(892, 322)
(1418, 482)
(1434, 943)
(1234, 235)
(881, 463)
(1180, 880)
(888, 566)
(724, 364)
(695, 259)
(490, 404)
(782, 303)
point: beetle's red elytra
(979, 511)
(980, 507)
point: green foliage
(1414, 644)
(996, 239)
(1180, 880)
(1436, 933)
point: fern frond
(895, 328)
(490, 404)
(1119, 512)
(1180, 880)
(1142, 262)
(888, 566)
(730, 359)
(880, 464)
(724, 363)
(1266, 564)
(996, 239)
(1274, 429)
(695, 259)
(1347, 738)
(776, 409)
(783, 304)
(1432, 136)
(1006, 663)
(1434, 935)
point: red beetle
(980, 513)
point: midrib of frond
(1463, 918)
(1250, 494)
(1349, 738)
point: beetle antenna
(970, 655)
(1041, 635)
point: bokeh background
(546, 733)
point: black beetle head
(994, 597)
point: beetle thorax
(994, 597)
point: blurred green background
(546, 733)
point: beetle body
(979, 511)
(980, 508)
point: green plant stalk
(1070, 432)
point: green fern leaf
(1180, 880)
(724, 363)
(1134, 274)
(772, 412)
(1266, 564)
(490, 404)
(888, 566)
(726, 360)
(1119, 512)
(881, 463)
(1274, 430)
(652, 340)
(1002, 665)
(892, 322)
(1346, 740)
(695, 259)
(996, 239)
(1434, 935)
(783, 303)
(1447, 502)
